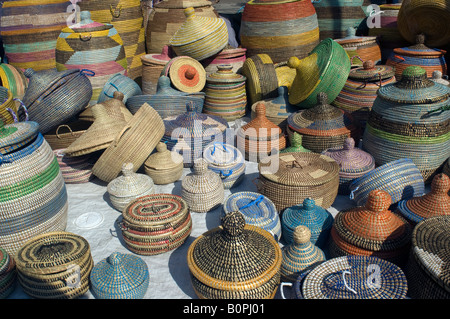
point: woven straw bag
(234, 261)
(55, 265)
(164, 166)
(155, 224)
(8, 274)
(289, 178)
(120, 276)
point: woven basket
(152, 66)
(120, 276)
(65, 134)
(323, 126)
(203, 189)
(289, 178)
(94, 46)
(8, 110)
(325, 69)
(228, 56)
(71, 90)
(119, 83)
(432, 204)
(336, 16)
(317, 219)
(55, 265)
(429, 59)
(295, 144)
(408, 120)
(13, 79)
(400, 178)
(127, 18)
(353, 163)
(129, 186)
(235, 261)
(300, 254)
(168, 16)
(257, 210)
(164, 166)
(426, 269)
(133, 144)
(446, 168)
(360, 90)
(225, 94)
(32, 44)
(260, 137)
(186, 74)
(371, 230)
(351, 277)
(75, 170)
(8, 274)
(425, 16)
(155, 224)
(33, 196)
(227, 162)
(293, 31)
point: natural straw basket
(289, 178)
(129, 186)
(235, 260)
(120, 276)
(134, 144)
(155, 224)
(164, 166)
(152, 66)
(55, 265)
(65, 134)
(75, 170)
(8, 274)
(257, 210)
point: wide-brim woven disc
(177, 69)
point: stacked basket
(152, 65)
(228, 56)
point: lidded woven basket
(120, 276)
(364, 47)
(257, 210)
(203, 189)
(129, 186)
(371, 230)
(199, 37)
(152, 66)
(427, 270)
(317, 219)
(289, 178)
(434, 203)
(353, 163)
(299, 255)
(55, 265)
(75, 170)
(235, 260)
(164, 166)
(119, 83)
(260, 137)
(8, 274)
(409, 120)
(295, 144)
(323, 126)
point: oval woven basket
(155, 224)
(235, 260)
(55, 265)
(289, 178)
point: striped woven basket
(293, 31)
(426, 269)
(152, 66)
(164, 166)
(13, 79)
(75, 170)
(186, 74)
(401, 179)
(289, 178)
(33, 196)
(94, 46)
(257, 210)
(235, 261)
(119, 83)
(228, 56)
(155, 224)
(127, 18)
(30, 29)
(8, 274)
(408, 120)
(55, 265)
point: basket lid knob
(302, 234)
(127, 169)
(322, 98)
(378, 201)
(29, 72)
(296, 139)
(368, 65)
(420, 38)
(114, 259)
(349, 143)
(117, 95)
(190, 72)
(260, 109)
(309, 204)
(233, 223)
(189, 12)
(161, 147)
(294, 62)
(440, 184)
(200, 166)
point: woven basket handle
(282, 285)
(85, 37)
(63, 125)
(114, 86)
(114, 10)
(119, 136)
(14, 115)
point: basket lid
(351, 159)
(349, 277)
(224, 75)
(261, 126)
(182, 4)
(434, 203)
(372, 72)
(430, 242)
(300, 169)
(235, 255)
(414, 87)
(420, 50)
(295, 144)
(353, 39)
(222, 155)
(130, 183)
(186, 74)
(202, 180)
(163, 158)
(86, 24)
(16, 135)
(158, 58)
(119, 274)
(195, 27)
(373, 226)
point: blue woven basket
(121, 83)
(120, 276)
